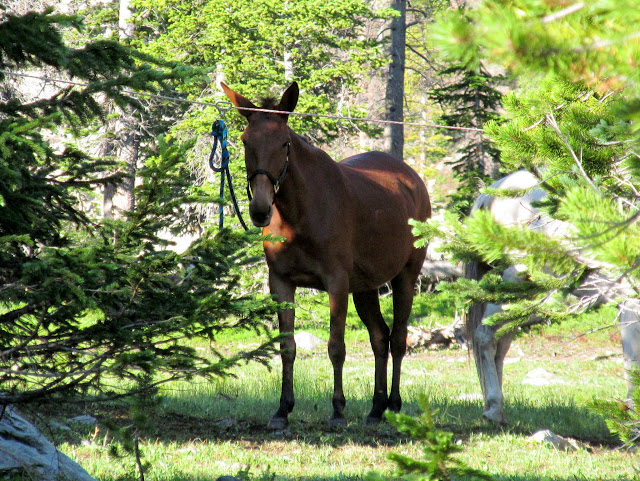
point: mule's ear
(239, 101)
(289, 98)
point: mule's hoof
(338, 422)
(372, 420)
(278, 424)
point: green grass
(206, 430)
(312, 315)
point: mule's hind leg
(403, 289)
(368, 306)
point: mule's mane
(268, 102)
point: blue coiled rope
(219, 133)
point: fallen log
(437, 337)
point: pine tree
(570, 129)
(439, 461)
(85, 301)
(469, 98)
(129, 135)
(571, 123)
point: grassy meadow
(207, 430)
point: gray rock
(541, 377)
(306, 341)
(85, 419)
(56, 426)
(25, 449)
(440, 270)
(558, 442)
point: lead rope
(219, 133)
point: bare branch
(563, 13)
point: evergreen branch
(551, 120)
(49, 389)
(627, 272)
(34, 333)
(541, 120)
(607, 43)
(622, 177)
(616, 228)
(582, 97)
(613, 325)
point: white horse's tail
(474, 270)
(473, 320)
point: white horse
(490, 351)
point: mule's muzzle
(260, 212)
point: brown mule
(346, 230)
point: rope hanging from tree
(219, 133)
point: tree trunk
(125, 14)
(125, 143)
(288, 61)
(394, 133)
(128, 154)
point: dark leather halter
(275, 182)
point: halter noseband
(275, 182)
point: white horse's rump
(489, 351)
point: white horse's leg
(487, 352)
(630, 332)
(490, 353)
(504, 343)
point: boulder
(435, 271)
(306, 341)
(541, 377)
(563, 444)
(24, 449)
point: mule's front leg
(338, 303)
(284, 292)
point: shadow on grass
(309, 423)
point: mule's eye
(285, 145)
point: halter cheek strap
(275, 182)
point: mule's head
(266, 149)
